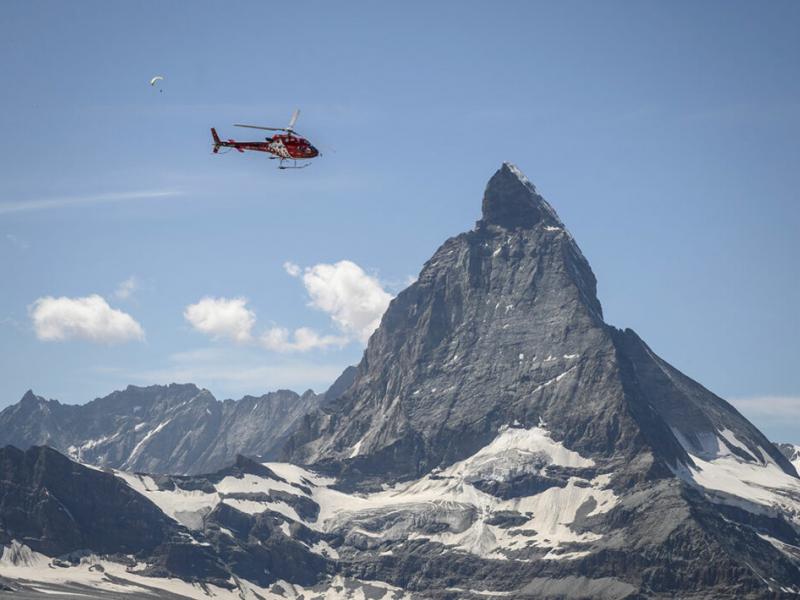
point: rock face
(791, 452)
(177, 429)
(51, 506)
(57, 507)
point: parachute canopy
(156, 79)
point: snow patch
(448, 496)
(138, 448)
(356, 448)
(515, 451)
(731, 438)
(759, 485)
(186, 507)
(550, 382)
(20, 555)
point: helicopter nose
(313, 151)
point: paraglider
(155, 80)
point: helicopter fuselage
(285, 146)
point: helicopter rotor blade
(293, 120)
(259, 127)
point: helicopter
(287, 146)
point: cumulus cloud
(222, 318)
(89, 318)
(354, 300)
(303, 339)
(126, 289)
(292, 269)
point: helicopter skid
(294, 166)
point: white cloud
(65, 201)
(222, 318)
(769, 407)
(304, 339)
(354, 300)
(291, 268)
(126, 289)
(89, 318)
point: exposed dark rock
(507, 518)
(56, 506)
(262, 553)
(529, 484)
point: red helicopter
(287, 146)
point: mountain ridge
(175, 428)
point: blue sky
(665, 135)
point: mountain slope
(161, 429)
(57, 507)
(476, 529)
(91, 520)
(792, 453)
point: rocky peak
(508, 309)
(511, 201)
(31, 399)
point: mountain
(792, 453)
(558, 439)
(176, 429)
(57, 506)
(498, 439)
(278, 531)
(107, 533)
(503, 325)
